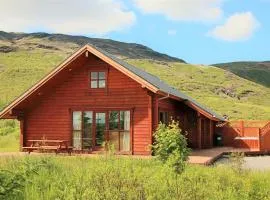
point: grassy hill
(26, 58)
(258, 72)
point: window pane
(164, 117)
(94, 75)
(125, 120)
(77, 120)
(87, 133)
(114, 139)
(125, 141)
(101, 83)
(113, 120)
(100, 128)
(101, 75)
(77, 140)
(93, 84)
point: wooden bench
(49, 145)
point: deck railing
(265, 137)
(247, 134)
(266, 129)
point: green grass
(258, 72)
(224, 92)
(123, 178)
(9, 136)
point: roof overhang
(191, 105)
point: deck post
(242, 128)
(199, 130)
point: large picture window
(98, 79)
(92, 129)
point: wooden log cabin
(94, 97)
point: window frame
(98, 79)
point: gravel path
(251, 162)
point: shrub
(170, 146)
(237, 161)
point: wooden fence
(254, 135)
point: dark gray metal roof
(155, 81)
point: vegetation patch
(112, 177)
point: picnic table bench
(49, 145)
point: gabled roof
(147, 80)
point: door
(119, 130)
(100, 130)
(82, 130)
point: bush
(237, 161)
(170, 146)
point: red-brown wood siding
(188, 122)
(50, 116)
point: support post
(211, 133)
(155, 109)
(21, 133)
(199, 131)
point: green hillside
(258, 72)
(224, 92)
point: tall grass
(9, 136)
(124, 178)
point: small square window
(98, 79)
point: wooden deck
(209, 156)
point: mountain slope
(15, 41)
(258, 72)
(24, 60)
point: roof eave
(193, 105)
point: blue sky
(198, 31)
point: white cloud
(65, 16)
(172, 32)
(237, 27)
(183, 10)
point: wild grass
(56, 177)
(9, 136)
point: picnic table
(49, 145)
